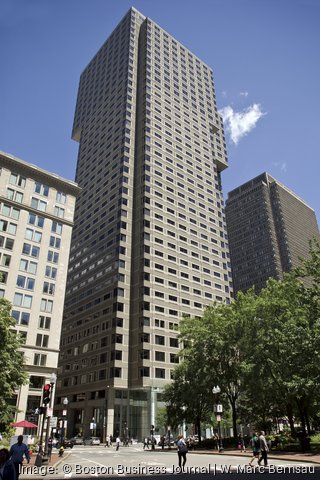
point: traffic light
(46, 393)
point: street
(101, 462)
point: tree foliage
(262, 350)
(12, 374)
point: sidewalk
(292, 456)
(53, 460)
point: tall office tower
(36, 219)
(149, 243)
(269, 228)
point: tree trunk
(290, 418)
(306, 416)
(301, 415)
(198, 427)
(234, 417)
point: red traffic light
(46, 393)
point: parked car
(91, 441)
(77, 440)
(65, 443)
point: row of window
(41, 189)
(25, 301)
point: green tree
(285, 339)
(12, 374)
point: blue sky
(264, 54)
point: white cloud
(282, 166)
(244, 94)
(239, 124)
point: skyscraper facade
(269, 229)
(149, 244)
(36, 219)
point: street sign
(218, 408)
(53, 422)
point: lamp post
(64, 419)
(218, 413)
(169, 440)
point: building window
(17, 180)
(42, 340)
(9, 211)
(27, 266)
(145, 372)
(56, 228)
(21, 300)
(5, 260)
(14, 195)
(31, 250)
(38, 204)
(25, 282)
(115, 372)
(160, 373)
(61, 197)
(159, 340)
(160, 356)
(174, 342)
(51, 272)
(41, 189)
(48, 288)
(46, 305)
(44, 322)
(36, 220)
(8, 227)
(22, 318)
(53, 256)
(39, 359)
(33, 235)
(59, 212)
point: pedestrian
(241, 444)
(182, 452)
(108, 441)
(17, 452)
(117, 443)
(7, 469)
(255, 445)
(216, 441)
(264, 449)
(146, 443)
(50, 444)
(162, 439)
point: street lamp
(64, 419)
(169, 440)
(218, 413)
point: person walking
(117, 443)
(7, 469)
(17, 452)
(146, 443)
(264, 449)
(241, 444)
(255, 445)
(182, 452)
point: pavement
(290, 456)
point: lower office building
(149, 243)
(36, 220)
(269, 229)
